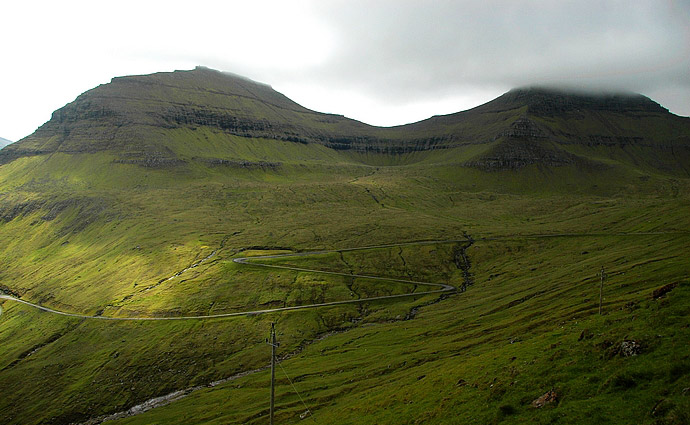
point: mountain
(561, 218)
(136, 118)
(131, 116)
(4, 142)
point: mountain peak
(200, 74)
(544, 100)
(200, 85)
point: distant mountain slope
(558, 128)
(4, 142)
(137, 118)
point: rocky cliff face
(523, 144)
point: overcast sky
(382, 62)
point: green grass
(84, 234)
(483, 356)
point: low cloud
(400, 51)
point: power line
(311, 415)
(273, 344)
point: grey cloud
(397, 50)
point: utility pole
(273, 367)
(601, 288)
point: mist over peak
(4, 142)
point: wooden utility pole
(273, 367)
(601, 288)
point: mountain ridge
(131, 115)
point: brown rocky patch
(660, 292)
(547, 398)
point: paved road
(251, 261)
(246, 260)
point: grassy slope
(485, 355)
(106, 236)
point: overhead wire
(311, 415)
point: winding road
(442, 288)
(250, 261)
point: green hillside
(133, 201)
